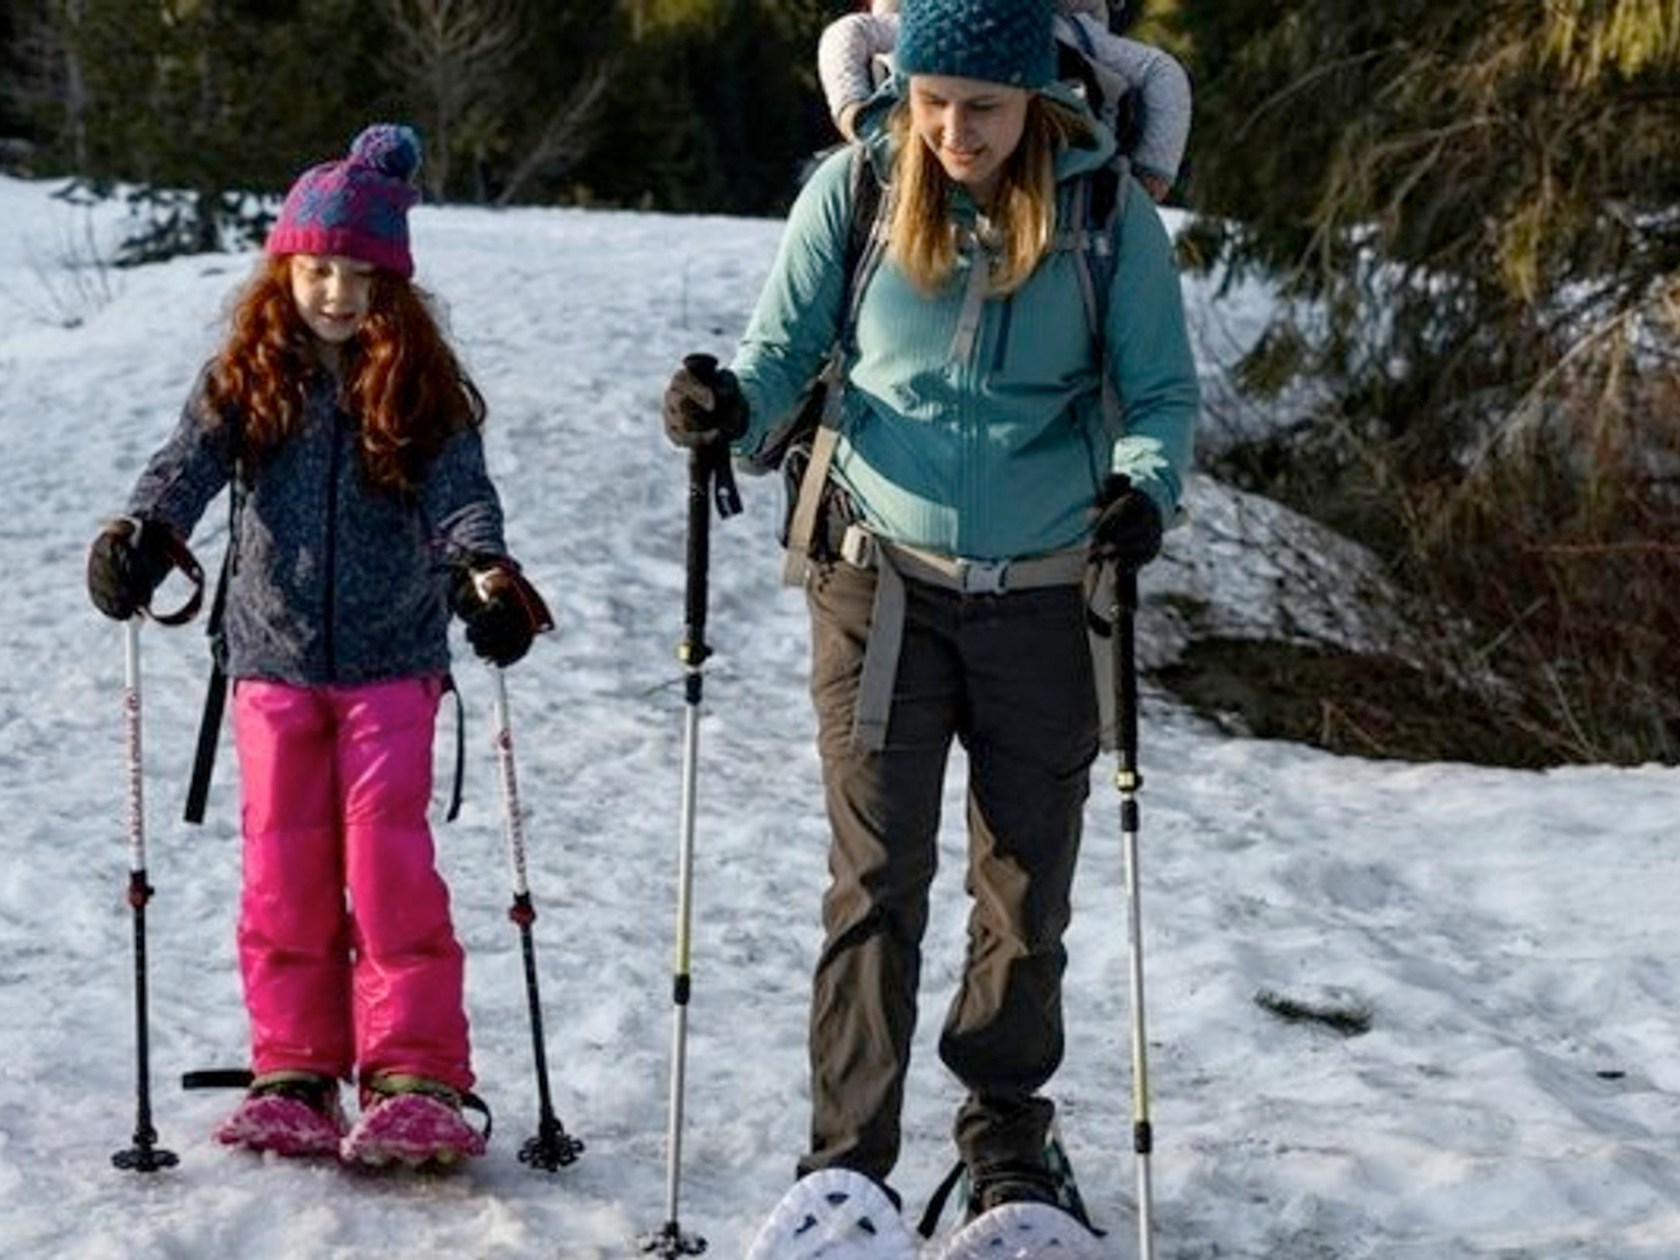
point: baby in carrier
(854, 56)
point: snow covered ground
(1510, 934)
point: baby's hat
(1000, 41)
(358, 206)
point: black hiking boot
(1019, 1182)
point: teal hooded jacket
(988, 443)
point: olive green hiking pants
(1010, 677)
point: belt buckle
(857, 547)
(984, 577)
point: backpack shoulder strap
(1094, 219)
(215, 689)
(866, 240)
(863, 206)
(1095, 208)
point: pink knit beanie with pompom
(356, 207)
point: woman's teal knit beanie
(1000, 41)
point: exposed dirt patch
(1367, 706)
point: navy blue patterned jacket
(332, 580)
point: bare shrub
(72, 275)
(1561, 548)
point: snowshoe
(834, 1214)
(1023, 1230)
(294, 1114)
(414, 1122)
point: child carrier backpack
(1115, 102)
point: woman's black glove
(502, 611)
(126, 564)
(1128, 526)
(703, 404)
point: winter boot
(413, 1121)
(290, 1113)
(996, 1184)
(1026, 1208)
(1048, 1179)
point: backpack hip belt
(864, 549)
(893, 563)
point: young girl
(975, 474)
(363, 514)
(853, 48)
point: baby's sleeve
(846, 53)
(1163, 88)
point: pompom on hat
(1000, 41)
(356, 207)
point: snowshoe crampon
(1024, 1231)
(834, 1214)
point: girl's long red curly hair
(401, 380)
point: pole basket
(668, 1242)
(552, 1148)
(143, 1156)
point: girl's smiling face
(972, 126)
(333, 294)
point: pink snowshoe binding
(294, 1114)
(411, 1121)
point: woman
(975, 471)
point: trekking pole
(1127, 780)
(704, 465)
(552, 1147)
(144, 1155)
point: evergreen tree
(1472, 210)
(1509, 166)
(714, 107)
(550, 116)
(192, 104)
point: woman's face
(970, 125)
(333, 295)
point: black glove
(502, 611)
(1128, 526)
(703, 404)
(127, 562)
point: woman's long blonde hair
(402, 382)
(921, 237)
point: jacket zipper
(330, 560)
(968, 350)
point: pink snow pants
(348, 956)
